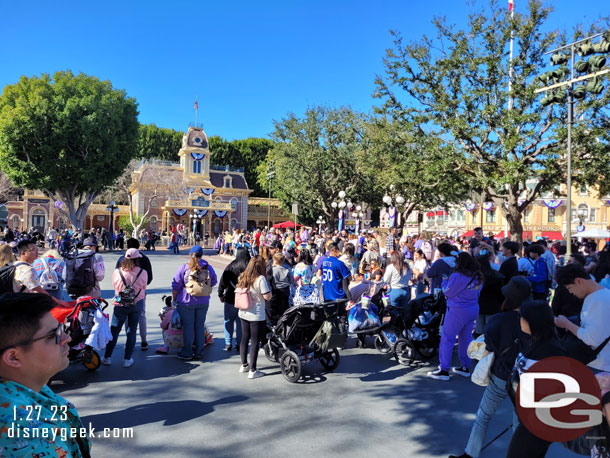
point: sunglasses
(56, 334)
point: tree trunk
(513, 216)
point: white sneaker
(463, 371)
(106, 361)
(440, 375)
(255, 374)
(243, 369)
(127, 362)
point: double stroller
(79, 322)
(306, 333)
(405, 332)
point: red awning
(526, 234)
(468, 234)
(441, 213)
(285, 225)
(553, 235)
(430, 214)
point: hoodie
(179, 284)
(440, 270)
(462, 291)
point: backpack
(49, 279)
(127, 296)
(243, 299)
(7, 275)
(80, 276)
(198, 283)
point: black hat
(517, 290)
(276, 244)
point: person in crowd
(540, 279)
(253, 320)
(595, 313)
(525, 263)
(128, 274)
(398, 275)
(226, 293)
(6, 255)
(491, 298)
(503, 337)
(564, 302)
(476, 240)
(390, 242)
(375, 273)
(54, 265)
(33, 348)
(370, 255)
(442, 267)
(90, 245)
(144, 263)
(462, 290)
(192, 309)
(537, 321)
(549, 258)
(274, 247)
(420, 267)
(281, 283)
(305, 291)
(596, 441)
(348, 257)
(602, 268)
(510, 266)
(335, 278)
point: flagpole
(197, 105)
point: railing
(227, 168)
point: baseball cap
(133, 253)
(197, 251)
(89, 241)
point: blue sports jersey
(333, 273)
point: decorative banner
(608, 202)
(551, 203)
(392, 214)
(340, 220)
(58, 203)
(180, 211)
(357, 231)
(487, 206)
(471, 207)
(198, 156)
(220, 213)
(207, 191)
(201, 212)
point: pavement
(369, 406)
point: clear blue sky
(248, 62)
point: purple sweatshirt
(179, 284)
(461, 291)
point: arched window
(196, 166)
(233, 223)
(153, 223)
(15, 219)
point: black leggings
(252, 331)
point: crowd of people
(523, 299)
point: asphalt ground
(368, 407)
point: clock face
(197, 138)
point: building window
(227, 182)
(583, 190)
(61, 224)
(593, 215)
(490, 217)
(15, 220)
(196, 166)
(461, 215)
(551, 215)
(153, 223)
(583, 212)
(526, 215)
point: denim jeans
(400, 297)
(494, 394)
(119, 317)
(232, 321)
(193, 327)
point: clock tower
(195, 156)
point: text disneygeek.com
(20, 432)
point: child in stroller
(171, 327)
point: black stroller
(305, 333)
(78, 324)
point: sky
(248, 63)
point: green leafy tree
(131, 224)
(455, 88)
(69, 136)
(158, 143)
(248, 153)
(316, 157)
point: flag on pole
(196, 104)
(511, 5)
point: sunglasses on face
(56, 334)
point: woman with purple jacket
(192, 309)
(462, 290)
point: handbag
(577, 349)
(482, 371)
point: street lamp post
(111, 208)
(392, 203)
(341, 205)
(320, 222)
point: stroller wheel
(330, 359)
(91, 360)
(381, 345)
(426, 350)
(404, 352)
(290, 365)
(270, 352)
